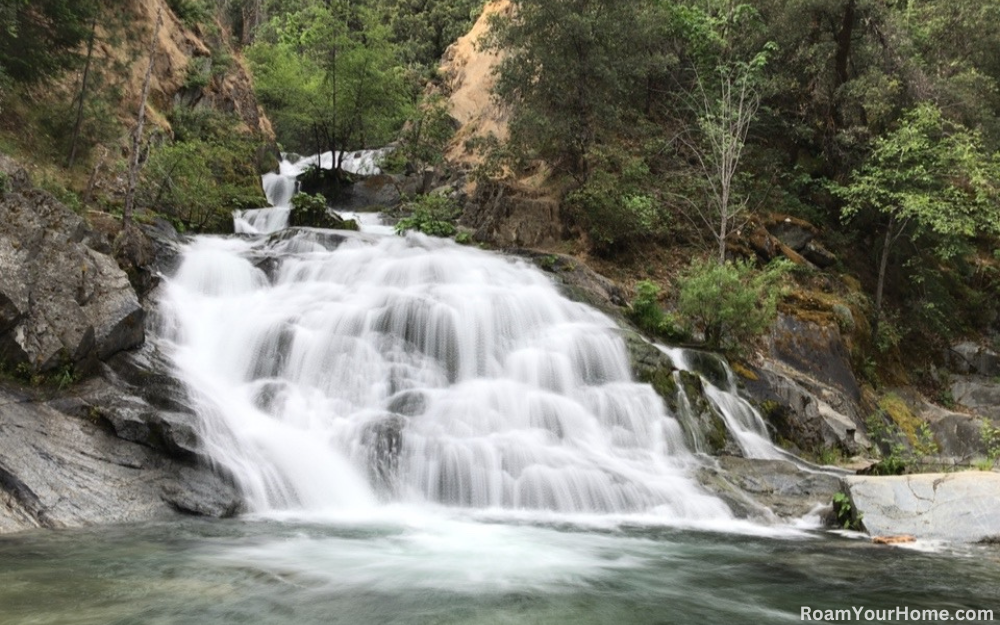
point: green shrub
(614, 213)
(197, 184)
(731, 303)
(312, 208)
(191, 12)
(647, 314)
(844, 512)
(431, 214)
(990, 436)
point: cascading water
(281, 186)
(414, 369)
(742, 420)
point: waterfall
(281, 186)
(742, 420)
(342, 370)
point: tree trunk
(133, 169)
(83, 95)
(882, 268)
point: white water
(280, 186)
(742, 420)
(419, 371)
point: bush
(191, 12)
(731, 303)
(431, 214)
(614, 206)
(197, 184)
(647, 314)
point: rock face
(121, 447)
(972, 358)
(61, 301)
(978, 393)
(508, 217)
(807, 389)
(765, 488)
(959, 507)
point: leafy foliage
(327, 74)
(731, 303)
(843, 510)
(929, 181)
(40, 38)
(615, 206)
(198, 181)
(431, 214)
(649, 316)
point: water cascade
(742, 420)
(338, 370)
(280, 186)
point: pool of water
(415, 567)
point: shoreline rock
(955, 507)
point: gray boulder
(61, 301)
(60, 471)
(763, 489)
(957, 507)
(978, 393)
(968, 357)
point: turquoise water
(466, 571)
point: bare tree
(133, 168)
(726, 103)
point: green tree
(423, 29)
(328, 73)
(568, 71)
(41, 38)
(725, 99)
(929, 180)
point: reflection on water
(453, 570)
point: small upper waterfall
(281, 186)
(334, 371)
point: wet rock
(408, 403)
(297, 240)
(57, 470)
(805, 413)
(704, 428)
(381, 190)
(762, 489)
(958, 507)
(384, 440)
(326, 219)
(579, 282)
(708, 365)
